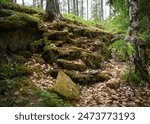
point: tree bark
(140, 70)
(81, 9)
(68, 6)
(87, 9)
(74, 7)
(77, 8)
(52, 10)
(41, 4)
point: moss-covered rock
(37, 46)
(17, 30)
(71, 65)
(92, 60)
(15, 20)
(52, 53)
(57, 35)
(85, 78)
(66, 87)
(19, 8)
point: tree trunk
(102, 10)
(133, 33)
(52, 10)
(87, 9)
(81, 9)
(68, 6)
(77, 8)
(74, 7)
(23, 2)
(41, 4)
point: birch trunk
(133, 33)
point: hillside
(59, 63)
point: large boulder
(17, 30)
(65, 87)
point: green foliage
(49, 99)
(123, 50)
(78, 19)
(130, 77)
(2, 1)
(8, 72)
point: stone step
(83, 78)
(52, 53)
(77, 65)
(57, 35)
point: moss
(92, 60)
(22, 71)
(58, 35)
(19, 8)
(8, 72)
(25, 54)
(52, 53)
(17, 20)
(66, 87)
(84, 78)
(71, 65)
(5, 13)
(49, 99)
(18, 59)
(37, 46)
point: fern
(123, 50)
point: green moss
(8, 72)
(5, 13)
(58, 35)
(49, 99)
(17, 20)
(71, 65)
(84, 78)
(37, 46)
(19, 8)
(22, 71)
(52, 53)
(66, 87)
(92, 60)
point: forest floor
(111, 93)
(114, 92)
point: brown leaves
(113, 92)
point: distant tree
(77, 7)
(87, 9)
(41, 4)
(81, 9)
(68, 2)
(52, 10)
(23, 2)
(74, 7)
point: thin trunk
(102, 10)
(41, 4)
(74, 7)
(23, 2)
(81, 10)
(68, 6)
(77, 8)
(87, 9)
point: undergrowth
(123, 50)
